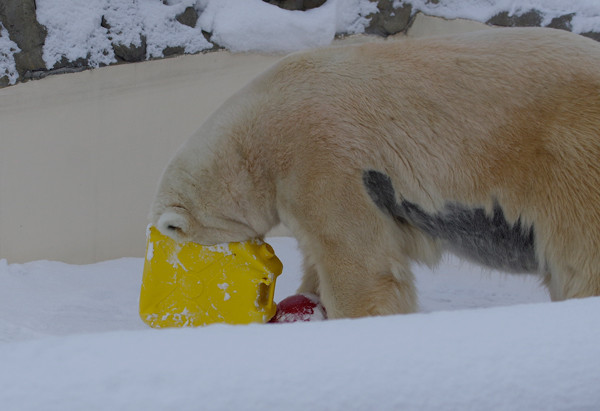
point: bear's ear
(175, 224)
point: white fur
(508, 116)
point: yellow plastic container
(187, 284)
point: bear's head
(216, 190)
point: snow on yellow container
(187, 284)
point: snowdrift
(72, 340)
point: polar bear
(485, 144)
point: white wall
(81, 154)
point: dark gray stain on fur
(380, 189)
(472, 233)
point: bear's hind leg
(569, 283)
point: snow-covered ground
(71, 339)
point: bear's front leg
(355, 255)
(310, 279)
(357, 268)
(354, 285)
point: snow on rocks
(92, 33)
(8, 68)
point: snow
(71, 339)
(222, 248)
(586, 16)
(226, 295)
(253, 25)
(7, 60)
(150, 251)
(75, 30)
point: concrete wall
(81, 154)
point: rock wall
(18, 20)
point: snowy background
(251, 25)
(71, 338)
(75, 30)
(586, 13)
